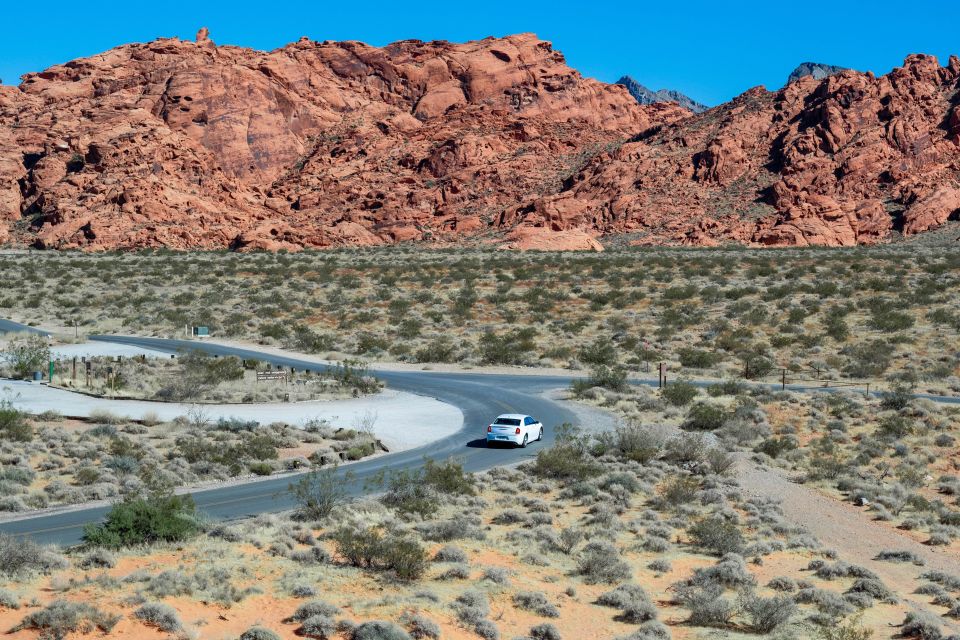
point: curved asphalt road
(479, 396)
(9, 326)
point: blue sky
(709, 51)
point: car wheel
(540, 435)
(524, 443)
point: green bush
(699, 359)
(371, 548)
(319, 492)
(565, 461)
(679, 393)
(716, 535)
(600, 352)
(27, 354)
(155, 518)
(704, 416)
(508, 348)
(14, 424)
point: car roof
(512, 415)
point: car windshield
(509, 422)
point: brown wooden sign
(271, 375)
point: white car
(514, 428)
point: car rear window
(509, 422)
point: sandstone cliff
(190, 144)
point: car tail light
(489, 428)
(518, 430)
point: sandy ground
(91, 349)
(851, 531)
(400, 420)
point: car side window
(528, 420)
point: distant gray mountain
(815, 69)
(646, 96)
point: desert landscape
(450, 338)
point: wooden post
(74, 368)
(660, 375)
(783, 383)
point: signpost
(271, 375)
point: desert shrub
(313, 608)
(318, 626)
(259, 633)
(707, 606)
(637, 443)
(423, 627)
(565, 460)
(487, 630)
(874, 588)
(601, 562)
(716, 535)
(27, 354)
(783, 583)
(868, 359)
(766, 614)
(900, 555)
(508, 348)
(497, 575)
(450, 553)
(719, 461)
(14, 425)
(922, 625)
(98, 559)
(160, 517)
(679, 490)
(545, 631)
(632, 600)
(9, 600)
(704, 416)
(455, 572)
(21, 555)
(730, 571)
(600, 352)
(61, 617)
(418, 491)
(679, 393)
(846, 630)
(379, 630)
(372, 549)
(725, 388)
(159, 615)
(536, 601)
(699, 359)
(440, 349)
(660, 565)
(472, 608)
(775, 447)
(321, 491)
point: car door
(527, 430)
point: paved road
(9, 326)
(478, 396)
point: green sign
(51, 371)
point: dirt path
(857, 538)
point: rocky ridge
(318, 144)
(644, 95)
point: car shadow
(481, 443)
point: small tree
(319, 492)
(27, 354)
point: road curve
(478, 396)
(9, 326)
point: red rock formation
(190, 144)
(846, 160)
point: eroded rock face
(187, 144)
(190, 144)
(849, 159)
